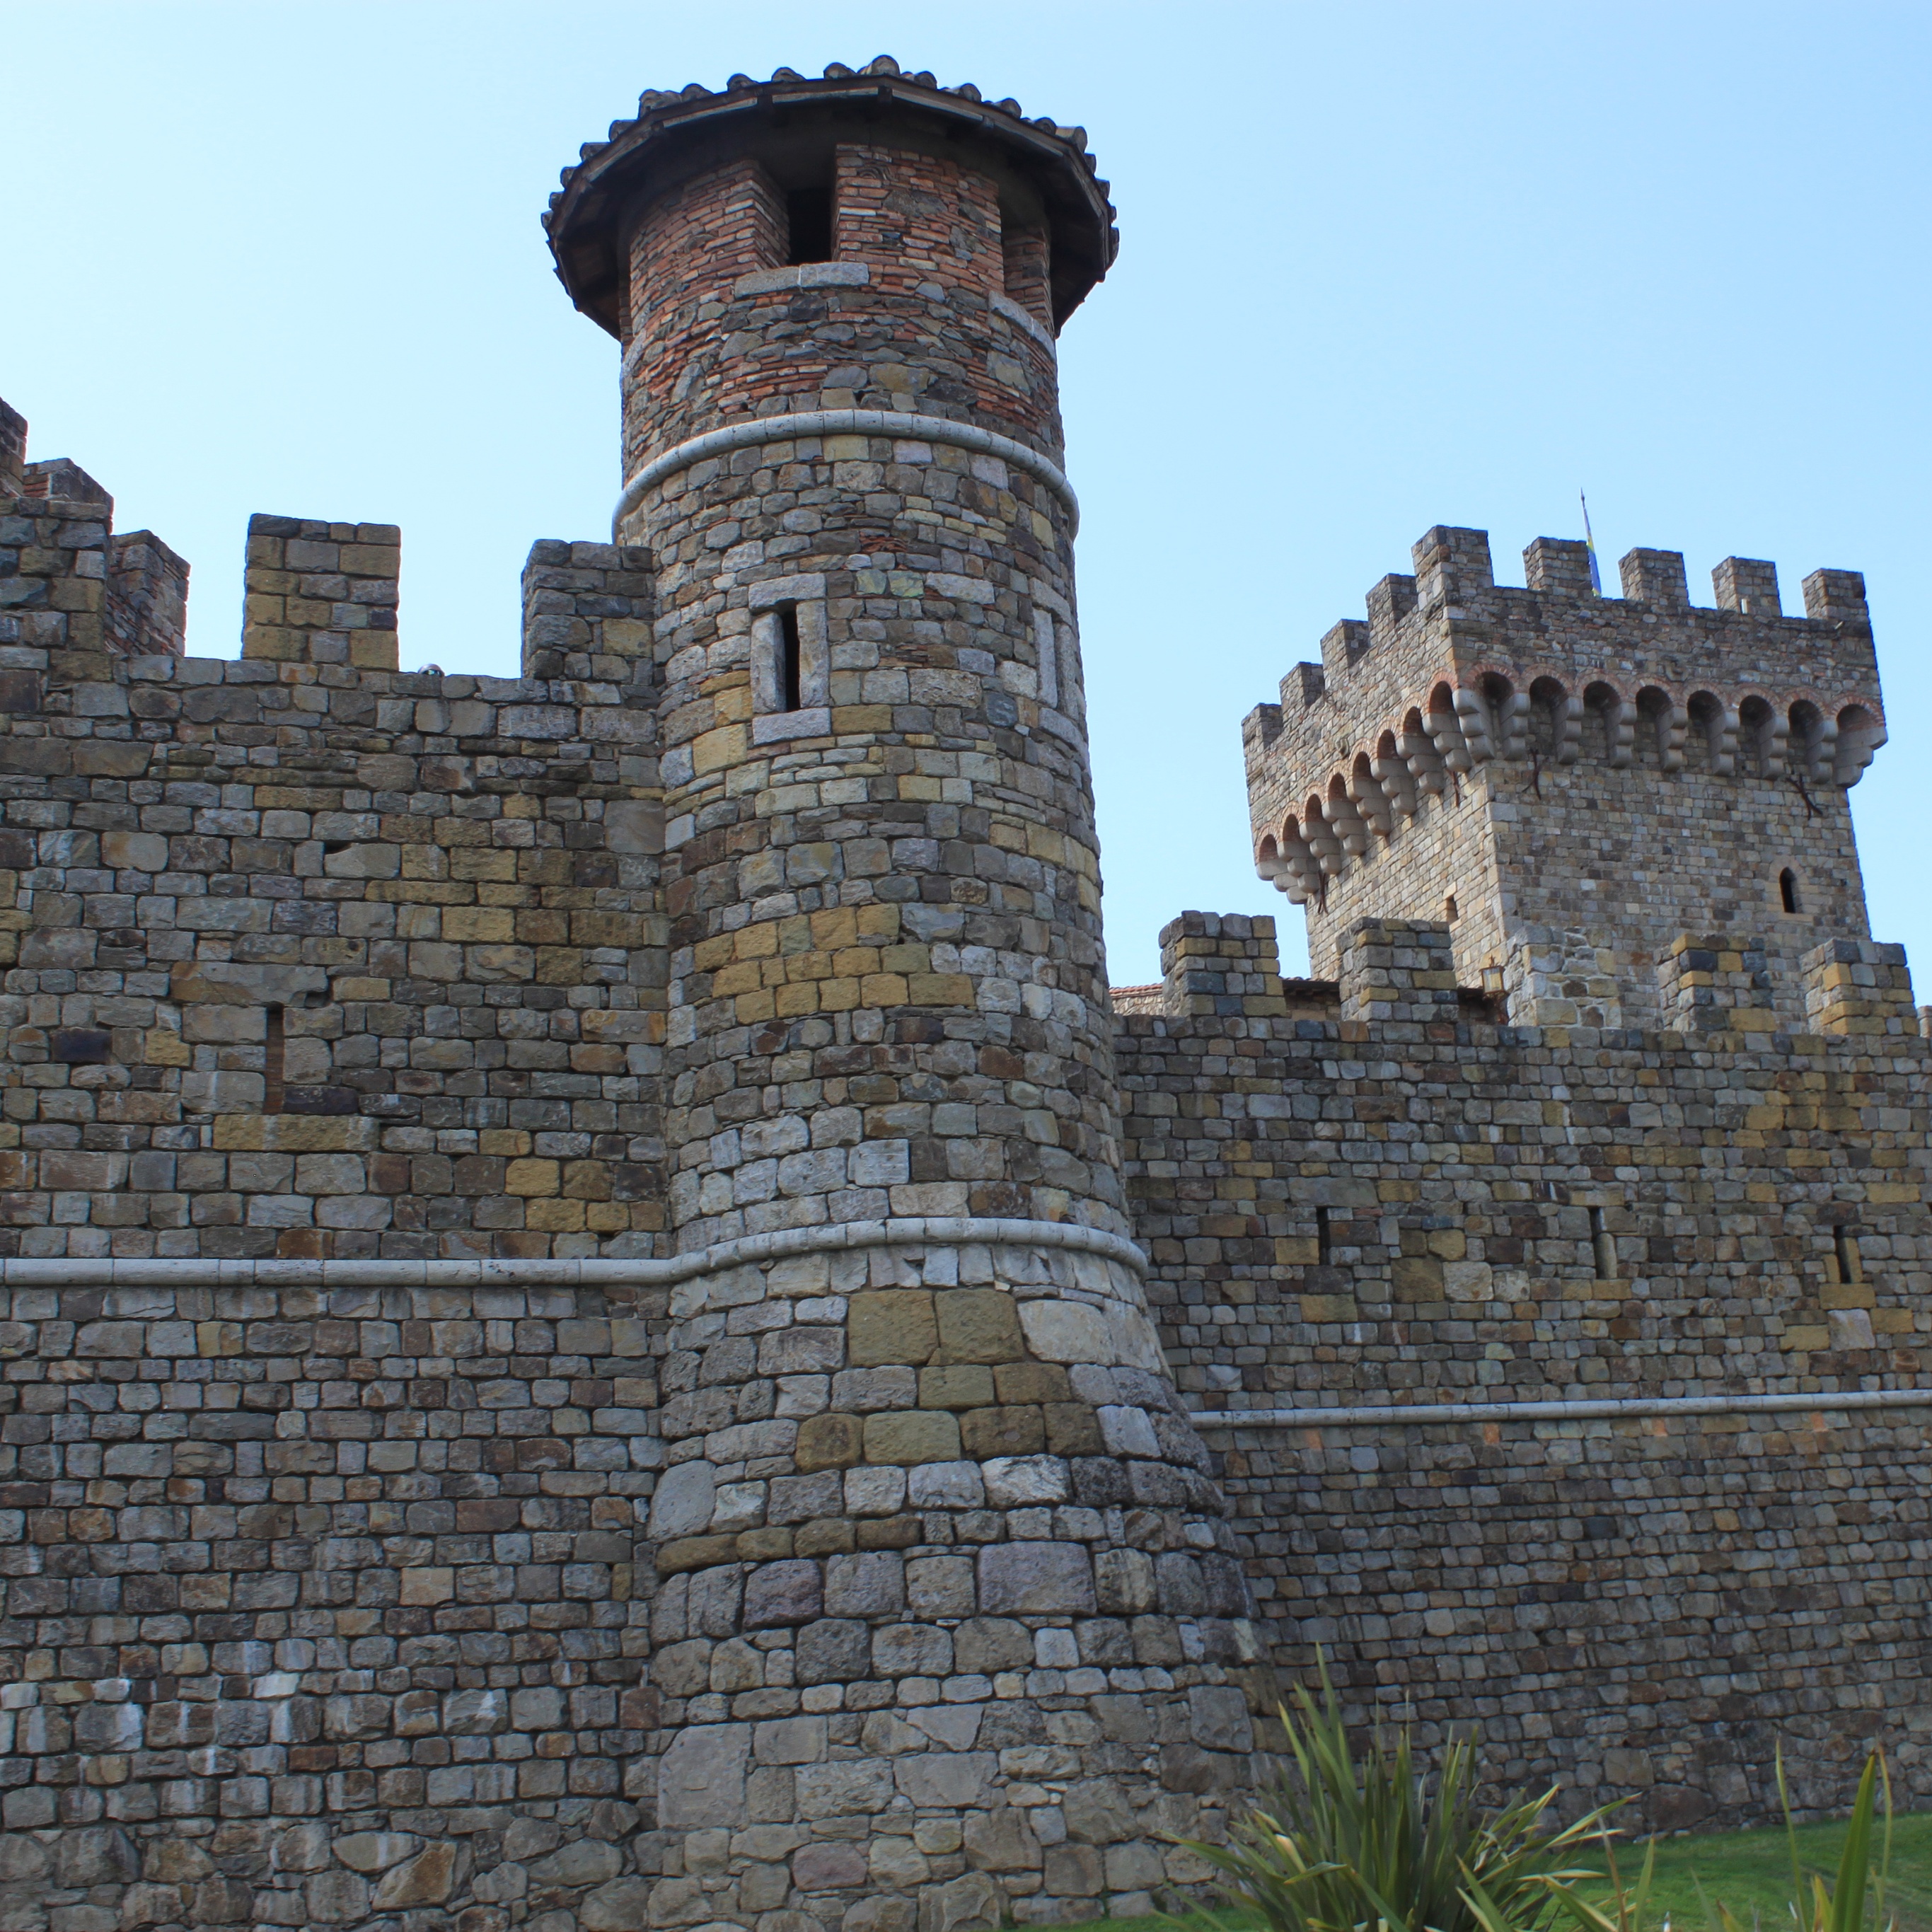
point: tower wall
(939, 1553)
(1570, 780)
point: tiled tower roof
(656, 150)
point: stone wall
(422, 907)
(1568, 780)
(320, 1603)
(1377, 1213)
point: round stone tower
(946, 1626)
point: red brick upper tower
(960, 219)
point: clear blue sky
(1383, 266)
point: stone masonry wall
(1350, 1212)
(320, 1604)
(427, 898)
(603, 1328)
(1570, 780)
(939, 1517)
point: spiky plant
(1360, 1843)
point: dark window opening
(808, 218)
(790, 686)
(1449, 911)
(1603, 1246)
(1787, 889)
(273, 1060)
(1324, 1236)
(1850, 1266)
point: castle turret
(945, 1600)
(1571, 781)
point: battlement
(1451, 670)
(1430, 764)
(134, 605)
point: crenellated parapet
(1566, 779)
(1452, 672)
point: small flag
(1590, 545)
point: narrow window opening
(1324, 1236)
(808, 218)
(1603, 1247)
(1787, 889)
(274, 1062)
(791, 679)
(1449, 910)
(1850, 1268)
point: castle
(607, 1326)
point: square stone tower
(1570, 781)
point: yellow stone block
(531, 1177)
(837, 996)
(794, 1001)
(755, 942)
(483, 862)
(480, 925)
(740, 976)
(503, 1141)
(217, 1338)
(1328, 1308)
(882, 989)
(753, 1007)
(165, 1047)
(555, 1217)
(373, 650)
(940, 989)
(713, 751)
(1802, 1335)
(1847, 1294)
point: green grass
(1750, 1871)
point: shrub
(1345, 1842)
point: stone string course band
(1368, 1415)
(816, 423)
(959, 1232)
